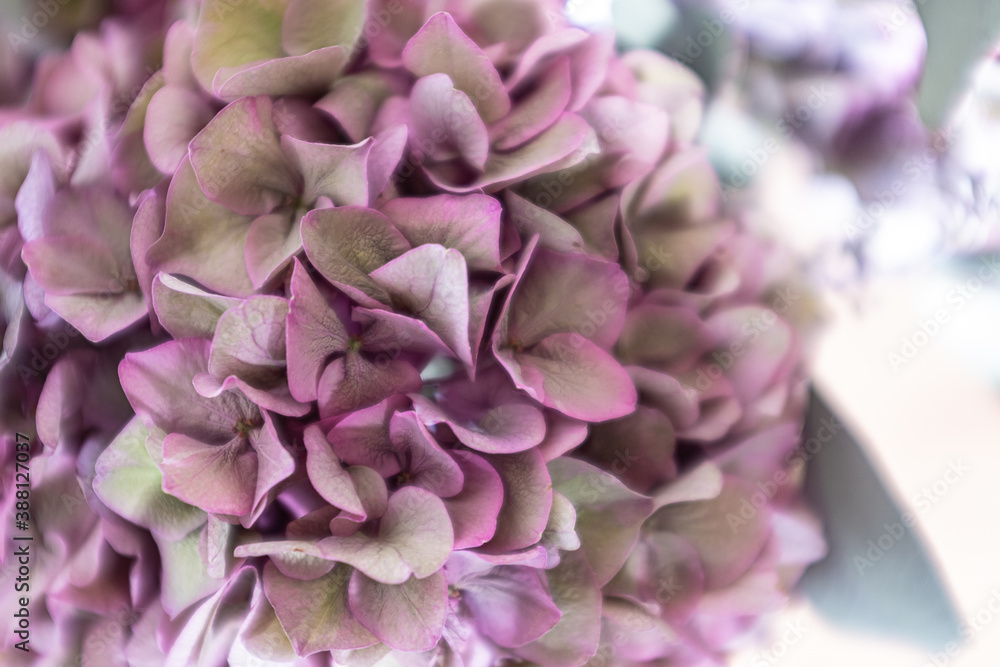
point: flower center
(516, 345)
(243, 427)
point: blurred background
(865, 137)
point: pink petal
(527, 500)
(414, 537)
(174, 117)
(352, 382)
(444, 121)
(511, 604)
(315, 614)
(429, 466)
(314, 332)
(216, 478)
(309, 74)
(328, 477)
(408, 616)
(539, 110)
(346, 244)
(272, 241)
(238, 159)
(441, 47)
(337, 172)
(469, 224)
(475, 509)
(431, 283)
(202, 239)
(570, 374)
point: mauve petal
(727, 540)
(250, 340)
(202, 239)
(315, 614)
(527, 500)
(639, 634)
(355, 98)
(560, 531)
(675, 579)
(158, 383)
(128, 481)
(362, 438)
(443, 120)
(703, 482)
(431, 283)
(645, 437)
(766, 342)
(597, 221)
(183, 577)
(589, 55)
(272, 241)
(309, 74)
(429, 467)
(313, 24)
(481, 295)
(663, 336)
(337, 172)
(554, 233)
(504, 429)
(666, 394)
(537, 111)
(274, 465)
(384, 159)
(174, 117)
(261, 636)
(684, 190)
(609, 515)
(569, 294)
(386, 45)
(187, 311)
(387, 333)
(441, 47)
(670, 85)
(414, 537)
(511, 604)
(239, 161)
(328, 477)
(97, 317)
(546, 47)
(147, 227)
(638, 131)
(569, 373)
(475, 509)
(216, 478)
(177, 48)
(346, 244)
(352, 382)
(408, 616)
(469, 224)
(248, 353)
(562, 434)
(314, 332)
(716, 418)
(576, 637)
(228, 37)
(67, 265)
(564, 143)
(34, 196)
(208, 632)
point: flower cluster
(366, 333)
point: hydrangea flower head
(422, 340)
